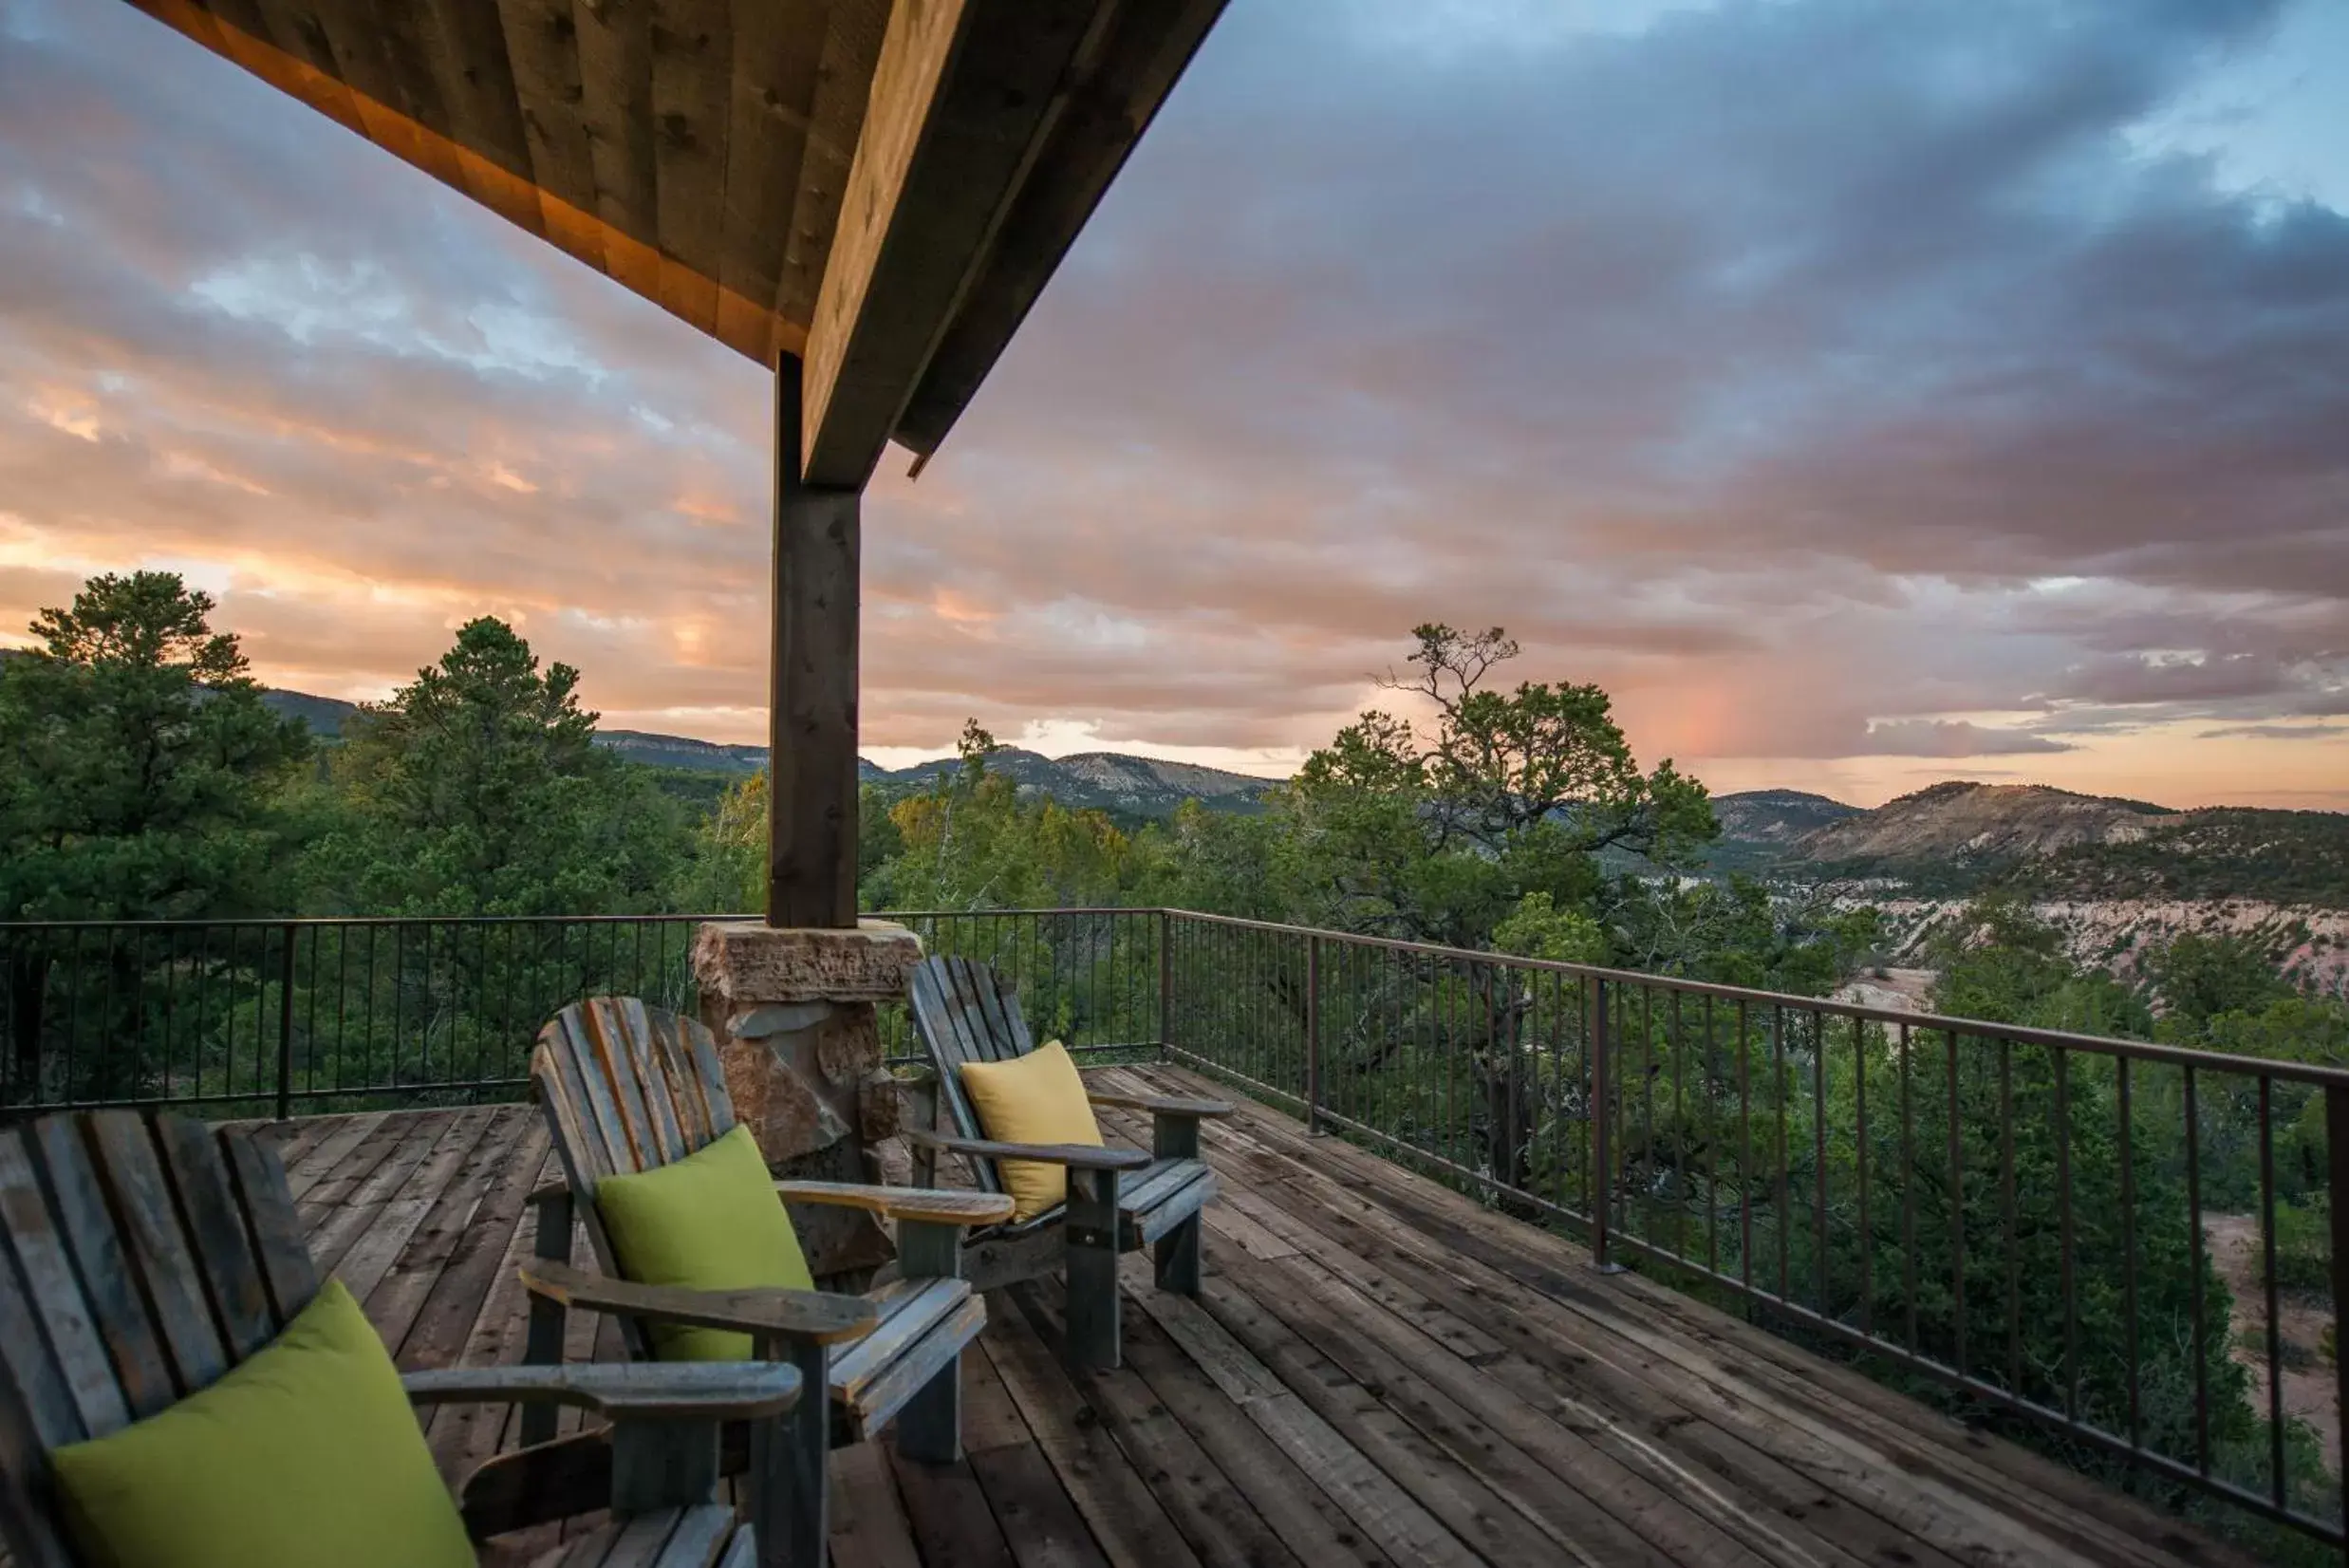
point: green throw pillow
(306, 1453)
(708, 1221)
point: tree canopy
(478, 789)
(143, 768)
(1437, 828)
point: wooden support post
(788, 1503)
(929, 1429)
(544, 1345)
(1176, 1255)
(812, 719)
(663, 1463)
(1090, 1235)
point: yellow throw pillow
(708, 1221)
(1038, 1098)
(306, 1452)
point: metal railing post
(284, 1024)
(1165, 986)
(1313, 1037)
(1602, 1115)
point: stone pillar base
(798, 1036)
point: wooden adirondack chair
(142, 1256)
(629, 1087)
(1120, 1200)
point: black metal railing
(2099, 1240)
(252, 1018)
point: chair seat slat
(910, 1314)
(1172, 1208)
(941, 1340)
(1140, 1194)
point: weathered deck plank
(1380, 1372)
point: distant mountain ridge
(1109, 780)
(1977, 825)
(1760, 827)
(1959, 838)
(676, 751)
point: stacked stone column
(795, 1012)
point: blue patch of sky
(2272, 118)
(315, 302)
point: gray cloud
(2277, 732)
(1950, 739)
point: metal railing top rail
(2110, 1045)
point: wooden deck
(1380, 1372)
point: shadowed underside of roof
(879, 189)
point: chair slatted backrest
(141, 1256)
(626, 1088)
(965, 1012)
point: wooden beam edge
(752, 330)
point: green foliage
(1437, 834)
(2286, 857)
(479, 790)
(699, 791)
(971, 840)
(1537, 929)
(2004, 965)
(1229, 863)
(1734, 933)
(2200, 978)
(142, 766)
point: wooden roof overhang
(878, 191)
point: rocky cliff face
(2117, 934)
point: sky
(1864, 392)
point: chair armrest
(933, 1205)
(709, 1391)
(811, 1316)
(1163, 1104)
(1075, 1156)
